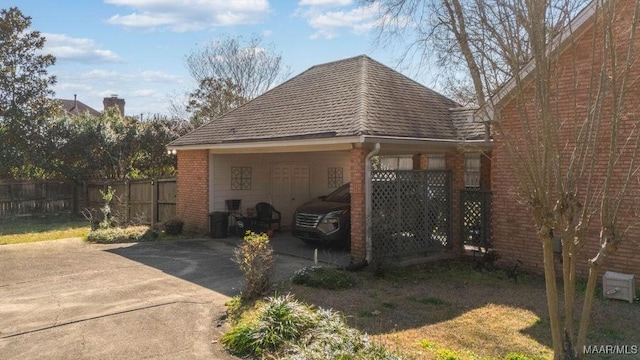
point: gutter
(367, 201)
(343, 141)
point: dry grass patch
(452, 306)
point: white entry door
(289, 188)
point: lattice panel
(411, 212)
(476, 218)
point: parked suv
(326, 220)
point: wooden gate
(145, 202)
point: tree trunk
(552, 297)
(568, 279)
(594, 268)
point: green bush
(333, 339)
(286, 329)
(241, 339)
(118, 235)
(324, 278)
(255, 258)
(281, 320)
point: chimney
(75, 102)
(114, 101)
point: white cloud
(144, 91)
(328, 24)
(66, 48)
(188, 15)
(325, 3)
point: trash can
(218, 224)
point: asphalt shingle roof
(350, 97)
(75, 107)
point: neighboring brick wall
(357, 188)
(192, 196)
(514, 235)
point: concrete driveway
(68, 299)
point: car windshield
(342, 194)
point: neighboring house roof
(75, 107)
(350, 97)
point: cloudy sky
(136, 48)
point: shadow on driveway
(208, 262)
(200, 261)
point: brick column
(455, 163)
(420, 161)
(485, 171)
(192, 193)
(357, 188)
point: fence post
(127, 197)
(154, 201)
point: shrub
(116, 234)
(333, 339)
(241, 339)
(324, 278)
(255, 258)
(281, 320)
(285, 328)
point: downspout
(367, 201)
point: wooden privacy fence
(37, 198)
(146, 201)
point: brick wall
(514, 234)
(192, 195)
(455, 163)
(357, 188)
(485, 171)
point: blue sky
(136, 48)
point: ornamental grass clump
(332, 338)
(255, 258)
(280, 321)
(287, 329)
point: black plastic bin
(218, 224)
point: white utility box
(619, 286)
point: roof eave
(327, 144)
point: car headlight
(330, 222)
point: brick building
(318, 131)
(579, 59)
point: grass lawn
(16, 231)
(425, 311)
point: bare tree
(558, 102)
(248, 66)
